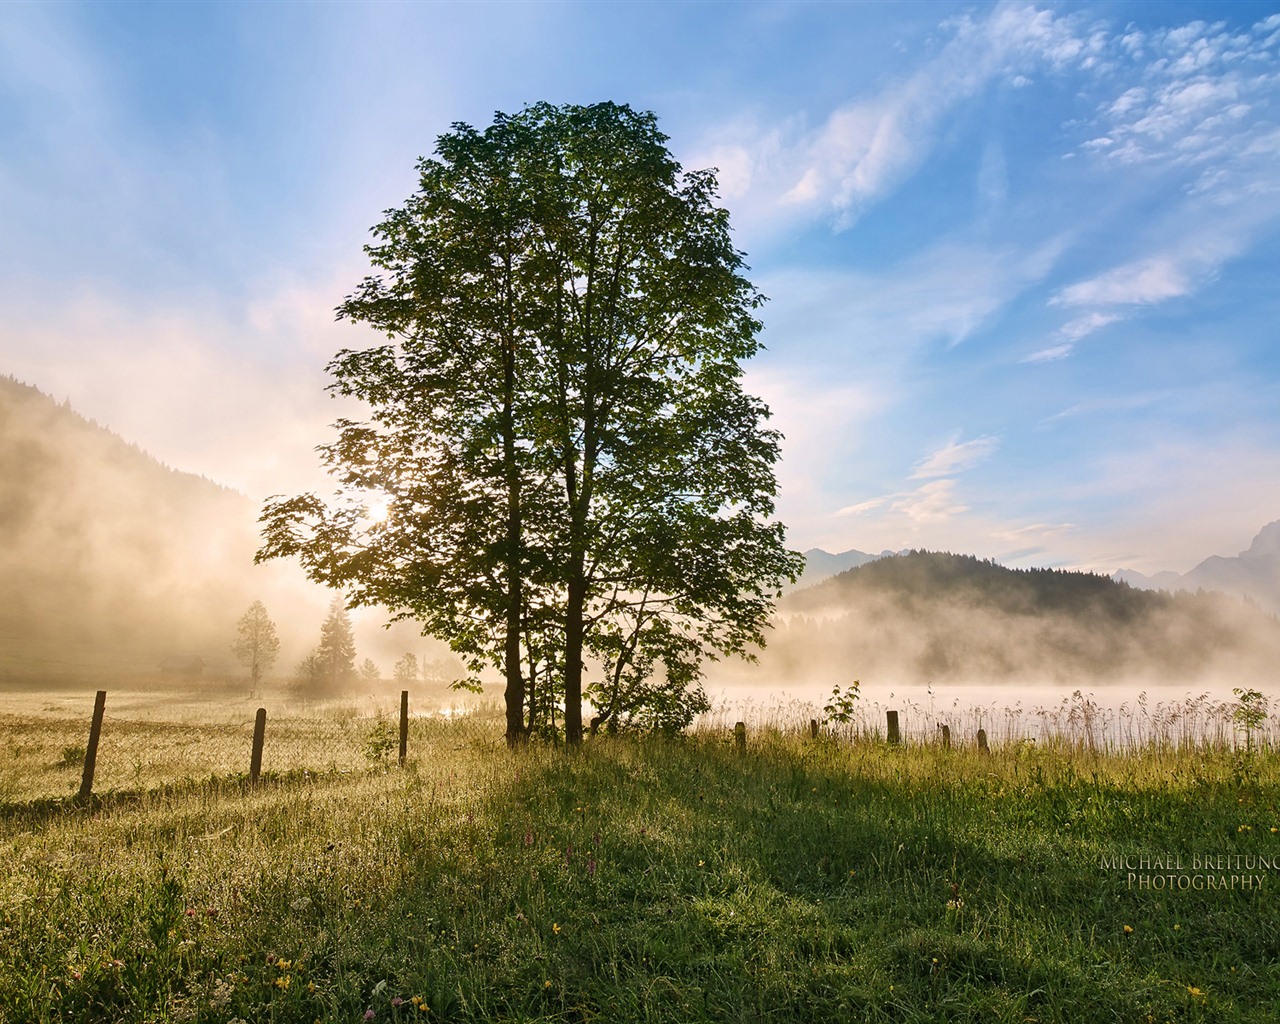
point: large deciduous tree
(571, 470)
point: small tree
(308, 674)
(370, 674)
(256, 646)
(336, 654)
(406, 670)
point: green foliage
(842, 705)
(379, 741)
(1250, 712)
(570, 466)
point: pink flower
(368, 1014)
(396, 1001)
(591, 865)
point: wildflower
(284, 981)
(528, 839)
(1193, 991)
(700, 863)
(1245, 828)
(191, 912)
(1177, 927)
(284, 965)
(547, 983)
(1128, 930)
(368, 1014)
(396, 1001)
(591, 865)
(555, 928)
(416, 1000)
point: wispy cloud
(955, 457)
(932, 502)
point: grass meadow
(638, 879)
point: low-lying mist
(929, 627)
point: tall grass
(1080, 720)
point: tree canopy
(572, 473)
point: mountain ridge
(1253, 574)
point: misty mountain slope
(935, 617)
(1254, 573)
(108, 559)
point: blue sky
(1021, 258)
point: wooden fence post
(404, 725)
(813, 728)
(946, 736)
(891, 723)
(740, 737)
(982, 741)
(91, 751)
(259, 734)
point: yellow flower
(700, 863)
(555, 928)
(1192, 990)
(283, 981)
(1128, 930)
(547, 983)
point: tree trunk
(573, 657)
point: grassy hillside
(644, 880)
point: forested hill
(109, 560)
(932, 616)
(982, 581)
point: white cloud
(864, 506)
(1142, 282)
(955, 457)
(933, 502)
(1051, 354)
